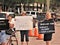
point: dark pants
(48, 37)
(24, 32)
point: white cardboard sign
(23, 22)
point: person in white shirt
(11, 24)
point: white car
(32, 13)
(5, 14)
(9, 13)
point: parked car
(32, 13)
(4, 25)
(8, 13)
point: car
(4, 25)
(2, 15)
(41, 16)
(32, 13)
(8, 13)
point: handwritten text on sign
(23, 22)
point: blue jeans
(3, 37)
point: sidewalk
(34, 41)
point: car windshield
(27, 12)
(33, 13)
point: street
(34, 41)
(10, 10)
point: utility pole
(48, 4)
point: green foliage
(9, 2)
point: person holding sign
(24, 32)
(48, 36)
